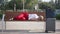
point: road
(25, 32)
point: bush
(0, 16)
(58, 16)
(45, 5)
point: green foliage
(58, 16)
(57, 6)
(0, 16)
(19, 4)
(29, 4)
(45, 5)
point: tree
(45, 5)
(28, 4)
(57, 6)
(18, 3)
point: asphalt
(26, 32)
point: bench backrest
(9, 15)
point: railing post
(3, 23)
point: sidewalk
(26, 32)
(33, 26)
